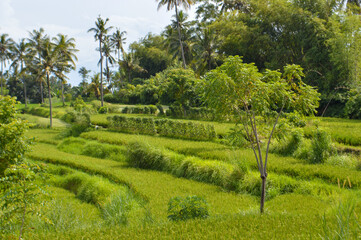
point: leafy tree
(130, 64)
(94, 85)
(13, 143)
(6, 45)
(257, 99)
(175, 4)
(100, 32)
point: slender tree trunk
(263, 192)
(41, 91)
(2, 77)
(180, 38)
(101, 72)
(24, 82)
(50, 107)
(62, 93)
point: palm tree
(6, 45)
(36, 41)
(109, 59)
(66, 48)
(117, 40)
(205, 46)
(20, 55)
(130, 64)
(175, 4)
(95, 85)
(84, 73)
(50, 61)
(100, 31)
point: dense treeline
(322, 36)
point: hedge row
(200, 113)
(151, 109)
(162, 127)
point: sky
(75, 17)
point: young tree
(175, 4)
(238, 88)
(100, 32)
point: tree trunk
(2, 78)
(22, 220)
(101, 72)
(62, 93)
(41, 91)
(50, 107)
(24, 82)
(263, 193)
(180, 38)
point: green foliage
(20, 192)
(322, 147)
(80, 123)
(150, 109)
(289, 145)
(79, 104)
(353, 105)
(116, 211)
(186, 208)
(13, 143)
(103, 110)
(162, 127)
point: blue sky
(75, 17)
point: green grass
(42, 122)
(50, 136)
(208, 150)
(344, 131)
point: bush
(80, 124)
(322, 147)
(353, 105)
(103, 110)
(163, 127)
(289, 145)
(186, 208)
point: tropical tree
(94, 85)
(36, 40)
(175, 4)
(20, 54)
(84, 74)
(6, 44)
(130, 64)
(109, 59)
(258, 100)
(67, 50)
(118, 40)
(51, 61)
(205, 47)
(100, 32)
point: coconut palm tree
(6, 45)
(100, 32)
(175, 4)
(109, 59)
(84, 73)
(20, 55)
(130, 64)
(118, 40)
(51, 61)
(36, 40)
(94, 85)
(67, 50)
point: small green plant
(20, 192)
(322, 147)
(103, 110)
(187, 208)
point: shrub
(353, 105)
(160, 109)
(322, 147)
(186, 208)
(289, 145)
(103, 110)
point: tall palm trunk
(41, 87)
(50, 107)
(62, 93)
(101, 71)
(24, 83)
(180, 37)
(2, 77)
